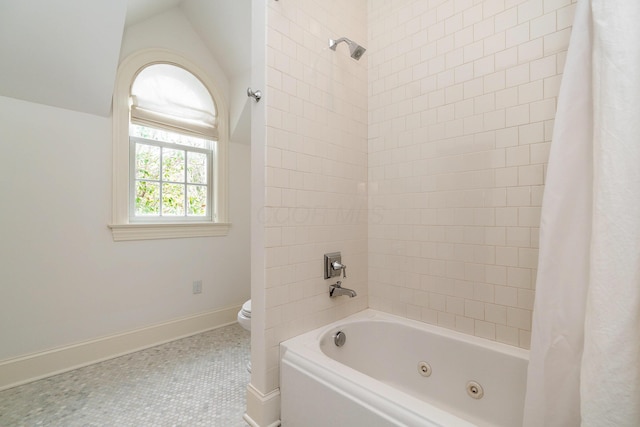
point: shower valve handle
(337, 266)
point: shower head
(354, 48)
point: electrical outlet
(197, 286)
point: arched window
(170, 144)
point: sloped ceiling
(65, 53)
(225, 27)
(61, 52)
(139, 10)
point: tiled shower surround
(316, 167)
(423, 163)
(462, 97)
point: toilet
(244, 316)
(244, 319)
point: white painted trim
(21, 370)
(263, 410)
(123, 232)
(127, 71)
(252, 423)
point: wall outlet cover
(197, 286)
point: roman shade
(171, 98)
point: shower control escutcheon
(333, 265)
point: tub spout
(337, 290)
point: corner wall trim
(32, 367)
(263, 410)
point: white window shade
(169, 97)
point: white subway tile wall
(461, 100)
(316, 166)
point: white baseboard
(263, 410)
(21, 370)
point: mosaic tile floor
(196, 381)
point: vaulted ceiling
(65, 53)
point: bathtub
(393, 371)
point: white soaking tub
(393, 371)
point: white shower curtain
(584, 364)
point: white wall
(240, 112)
(462, 99)
(63, 279)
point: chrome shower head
(354, 48)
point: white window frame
(211, 214)
(122, 227)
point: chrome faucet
(337, 290)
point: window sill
(124, 232)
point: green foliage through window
(171, 175)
